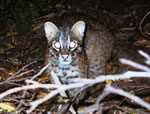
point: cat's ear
(50, 30)
(78, 29)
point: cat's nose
(65, 56)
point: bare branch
(128, 95)
(146, 56)
(34, 86)
(134, 64)
(41, 71)
(17, 75)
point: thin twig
(17, 75)
(141, 22)
(35, 76)
(147, 57)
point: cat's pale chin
(64, 63)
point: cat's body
(87, 59)
(96, 45)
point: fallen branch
(118, 91)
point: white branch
(110, 89)
(135, 65)
(128, 95)
(34, 86)
(41, 71)
(146, 56)
(103, 78)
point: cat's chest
(67, 73)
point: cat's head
(65, 45)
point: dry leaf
(11, 34)
(108, 81)
(10, 107)
(147, 98)
(45, 78)
(41, 95)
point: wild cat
(72, 50)
(76, 52)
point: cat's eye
(72, 44)
(57, 45)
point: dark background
(23, 14)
